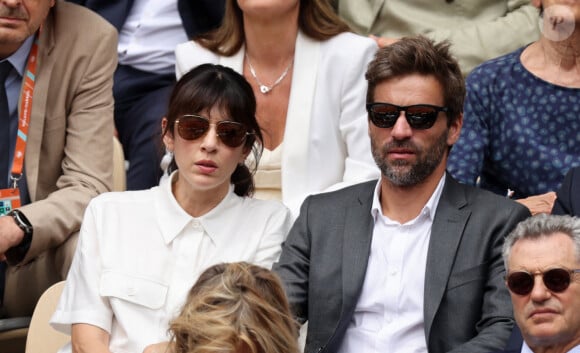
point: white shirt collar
(174, 218)
(430, 207)
(527, 349)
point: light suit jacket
(467, 307)
(69, 151)
(326, 143)
(478, 29)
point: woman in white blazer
(307, 71)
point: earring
(166, 160)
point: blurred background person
(141, 251)
(542, 261)
(521, 131)
(479, 30)
(149, 30)
(307, 71)
(235, 308)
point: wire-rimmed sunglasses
(231, 133)
(418, 116)
(556, 280)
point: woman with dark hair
(307, 71)
(234, 308)
(140, 252)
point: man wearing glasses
(542, 261)
(411, 262)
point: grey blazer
(467, 307)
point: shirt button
(131, 291)
(195, 224)
(394, 271)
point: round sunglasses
(418, 116)
(556, 280)
(231, 133)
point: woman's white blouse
(139, 253)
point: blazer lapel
(235, 62)
(446, 233)
(40, 95)
(357, 237)
(297, 131)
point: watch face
(21, 221)
(16, 254)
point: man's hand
(383, 41)
(10, 235)
(162, 347)
(539, 203)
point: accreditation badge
(9, 200)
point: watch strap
(16, 254)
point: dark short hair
(420, 55)
(207, 86)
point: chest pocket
(137, 290)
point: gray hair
(543, 225)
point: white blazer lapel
(235, 62)
(297, 131)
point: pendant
(264, 89)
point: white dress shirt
(139, 253)
(149, 36)
(527, 349)
(389, 313)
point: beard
(405, 173)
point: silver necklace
(264, 88)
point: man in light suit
(149, 31)
(68, 151)
(542, 261)
(479, 30)
(412, 262)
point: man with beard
(411, 262)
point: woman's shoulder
(264, 207)
(348, 49)
(347, 41)
(503, 66)
(121, 198)
(191, 54)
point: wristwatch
(16, 253)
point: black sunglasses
(419, 116)
(556, 280)
(231, 133)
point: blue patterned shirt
(519, 131)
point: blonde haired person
(235, 307)
(307, 72)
